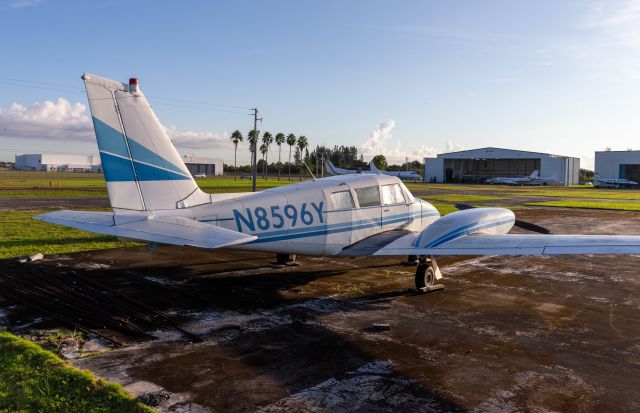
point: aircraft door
(339, 204)
(367, 215)
(395, 207)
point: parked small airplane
(406, 175)
(614, 183)
(523, 180)
(334, 170)
(155, 199)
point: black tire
(425, 276)
(284, 259)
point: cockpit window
(368, 196)
(392, 194)
(342, 200)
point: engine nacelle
(461, 223)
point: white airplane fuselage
(305, 218)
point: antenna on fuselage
(309, 169)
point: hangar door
(630, 172)
(477, 170)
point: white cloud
(380, 142)
(50, 120)
(199, 140)
(62, 120)
(18, 4)
(615, 27)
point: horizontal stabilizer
(165, 230)
(517, 244)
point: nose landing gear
(427, 273)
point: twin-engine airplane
(373, 169)
(614, 182)
(406, 175)
(532, 179)
(155, 199)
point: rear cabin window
(392, 194)
(342, 200)
(368, 196)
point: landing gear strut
(427, 273)
(285, 259)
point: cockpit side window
(368, 196)
(392, 195)
(342, 200)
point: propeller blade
(531, 227)
(462, 207)
(520, 224)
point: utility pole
(254, 147)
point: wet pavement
(507, 333)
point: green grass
(460, 198)
(22, 235)
(443, 208)
(24, 179)
(575, 203)
(35, 380)
(584, 193)
(50, 193)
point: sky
(401, 78)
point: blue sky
(405, 78)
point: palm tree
(253, 141)
(263, 150)
(280, 138)
(302, 144)
(236, 137)
(291, 140)
(267, 140)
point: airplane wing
(370, 245)
(165, 230)
(518, 244)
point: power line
(42, 87)
(198, 103)
(199, 108)
(72, 89)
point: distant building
(478, 165)
(57, 162)
(618, 165)
(202, 165)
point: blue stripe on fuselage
(336, 228)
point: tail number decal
(264, 218)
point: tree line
(342, 156)
(301, 143)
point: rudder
(142, 168)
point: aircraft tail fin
(373, 167)
(332, 168)
(534, 174)
(143, 169)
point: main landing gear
(427, 273)
(285, 259)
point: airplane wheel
(285, 259)
(425, 275)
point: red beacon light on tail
(133, 85)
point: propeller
(518, 223)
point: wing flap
(517, 244)
(165, 230)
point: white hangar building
(58, 162)
(618, 165)
(478, 165)
(202, 165)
